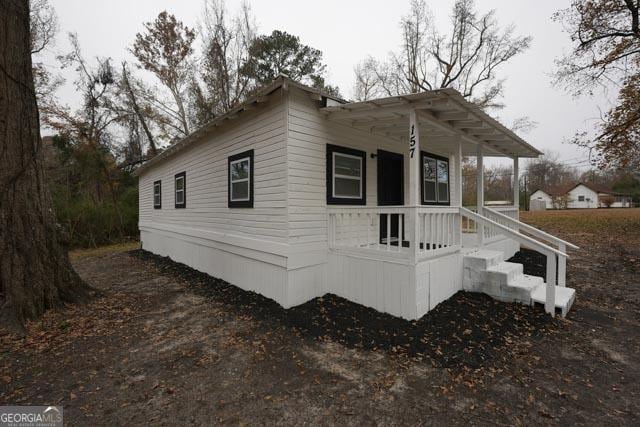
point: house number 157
(412, 141)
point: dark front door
(390, 179)
(391, 192)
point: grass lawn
(78, 254)
(606, 223)
(169, 345)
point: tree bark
(136, 109)
(35, 272)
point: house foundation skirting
(400, 289)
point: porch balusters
(428, 231)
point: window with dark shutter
(346, 176)
(435, 179)
(181, 190)
(157, 194)
(240, 185)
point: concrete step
(521, 287)
(503, 273)
(527, 282)
(564, 297)
(483, 259)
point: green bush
(89, 223)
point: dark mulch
(468, 330)
(534, 263)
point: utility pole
(526, 199)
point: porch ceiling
(444, 117)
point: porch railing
(521, 227)
(489, 234)
(402, 232)
(555, 257)
(415, 233)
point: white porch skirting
(399, 288)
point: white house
(544, 196)
(581, 196)
(295, 194)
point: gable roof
(493, 135)
(556, 190)
(598, 188)
(258, 97)
(560, 190)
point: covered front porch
(416, 218)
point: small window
(435, 180)
(581, 198)
(157, 195)
(181, 190)
(346, 176)
(241, 180)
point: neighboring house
(543, 196)
(581, 196)
(295, 194)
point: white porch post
(414, 160)
(459, 172)
(459, 178)
(516, 187)
(479, 192)
(414, 181)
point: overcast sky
(347, 31)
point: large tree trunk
(35, 272)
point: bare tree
(35, 272)
(607, 201)
(42, 32)
(547, 171)
(366, 79)
(606, 52)
(226, 45)
(91, 128)
(134, 104)
(44, 25)
(466, 58)
(165, 49)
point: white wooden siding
(541, 195)
(308, 135)
(205, 164)
(581, 190)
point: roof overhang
(444, 117)
(260, 97)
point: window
(435, 179)
(241, 180)
(346, 176)
(157, 195)
(581, 198)
(181, 190)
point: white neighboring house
(581, 196)
(542, 196)
(295, 194)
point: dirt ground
(167, 345)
